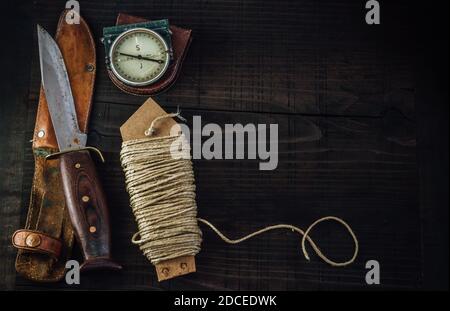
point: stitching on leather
(33, 195)
(91, 82)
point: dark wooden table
(363, 124)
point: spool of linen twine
(162, 196)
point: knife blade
(84, 196)
(58, 93)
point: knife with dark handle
(88, 210)
(84, 196)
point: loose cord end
(305, 236)
(152, 129)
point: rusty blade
(58, 93)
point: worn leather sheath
(181, 39)
(45, 245)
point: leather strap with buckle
(35, 241)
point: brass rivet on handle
(33, 240)
(77, 165)
(92, 229)
(85, 198)
(41, 133)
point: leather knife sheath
(45, 245)
(181, 39)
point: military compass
(139, 57)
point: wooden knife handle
(87, 208)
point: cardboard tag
(134, 128)
(140, 121)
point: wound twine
(162, 197)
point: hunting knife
(84, 195)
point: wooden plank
(432, 144)
(315, 57)
(361, 169)
(14, 88)
(343, 95)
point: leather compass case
(181, 39)
(45, 245)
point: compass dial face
(139, 57)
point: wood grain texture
(12, 111)
(343, 95)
